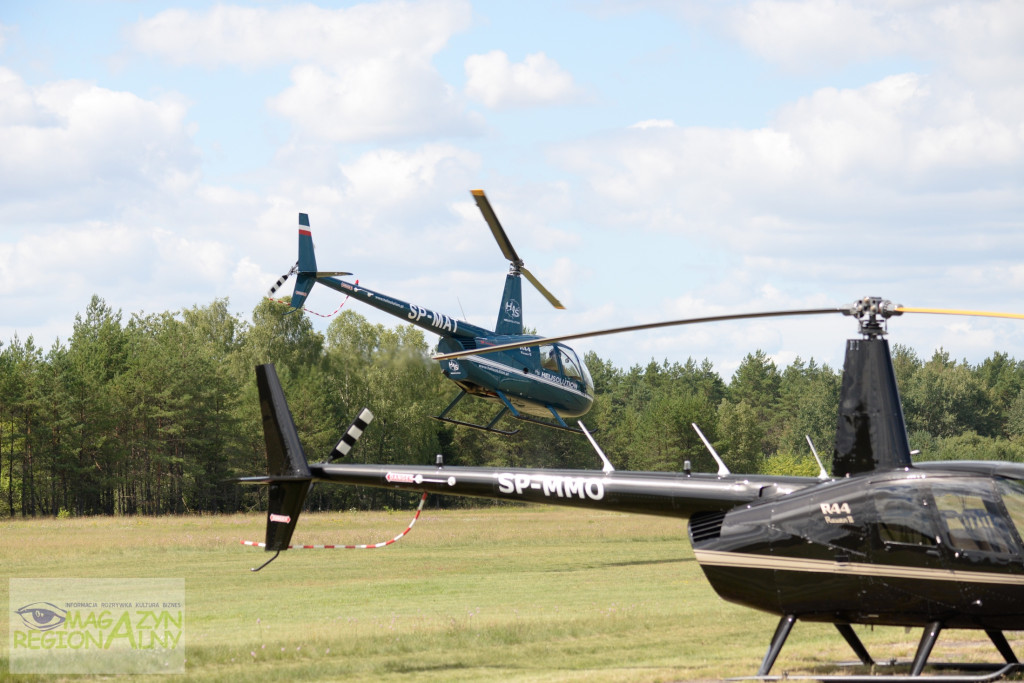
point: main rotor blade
(496, 229)
(634, 328)
(953, 311)
(541, 288)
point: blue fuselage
(533, 379)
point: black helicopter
(883, 540)
(530, 381)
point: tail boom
(308, 275)
(618, 491)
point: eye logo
(41, 616)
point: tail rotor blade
(281, 280)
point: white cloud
(910, 146)
(537, 80)
(975, 38)
(798, 34)
(253, 37)
(358, 73)
(906, 129)
(390, 175)
(100, 190)
(375, 100)
(183, 257)
(654, 123)
(367, 212)
(73, 148)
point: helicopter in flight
(543, 384)
(882, 540)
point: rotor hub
(872, 312)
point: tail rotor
(281, 280)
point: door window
(972, 516)
(549, 358)
(903, 515)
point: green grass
(538, 594)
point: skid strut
(858, 647)
(778, 640)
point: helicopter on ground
(881, 541)
(530, 382)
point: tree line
(156, 413)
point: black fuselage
(907, 547)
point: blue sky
(649, 160)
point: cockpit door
(984, 541)
(909, 562)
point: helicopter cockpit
(563, 360)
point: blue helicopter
(541, 384)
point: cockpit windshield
(573, 367)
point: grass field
(509, 593)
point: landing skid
(995, 672)
(537, 421)
(482, 428)
(489, 427)
(510, 409)
(990, 672)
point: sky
(648, 160)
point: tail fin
(288, 473)
(306, 267)
(307, 264)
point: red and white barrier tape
(419, 509)
(322, 315)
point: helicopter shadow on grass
(611, 565)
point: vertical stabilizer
(307, 257)
(307, 264)
(287, 468)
